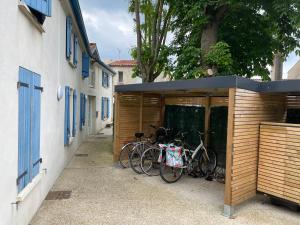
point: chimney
(277, 68)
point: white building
(101, 79)
(294, 72)
(124, 72)
(47, 104)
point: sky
(109, 24)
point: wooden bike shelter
(249, 103)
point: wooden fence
(279, 161)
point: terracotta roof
(129, 63)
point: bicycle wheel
(169, 174)
(135, 157)
(149, 161)
(208, 165)
(125, 154)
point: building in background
(124, 72)
(294, 72)
(101, 80)
(49, 99)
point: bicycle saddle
(139, 134)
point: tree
(253, 30)
(152, 20)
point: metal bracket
(20, 177)
(39, 88)
(40, 160)
(19, 84)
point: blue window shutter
(84, 106)
(81, 109)
(24, 129)
(102, 108)
(102, 78)
(75, 57)
(108, 108)
(42, 6)
(67, 115)
(35, 124)
(74, 113)
(85, 65)
(68, 36)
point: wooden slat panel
(293, 102)
(279, 161)
(199, 101)
(250, 110)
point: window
(82, 110)
(120, 76)
(92, 79)
(39, 9)
(68, 37)
(105, 79)
(29, 87)
(85, 65)
(105, 111)
(70, 114)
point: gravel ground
(105, 194)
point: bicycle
(161, 135)
(127, 149)
(205, 160)
(150, 164)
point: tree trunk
(277, 67)
(209, 36)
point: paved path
(105, 194)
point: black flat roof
(224, 82)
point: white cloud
(113, 32)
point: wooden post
(141, 113)
(207, 120)
(228, 208)
(116, 128)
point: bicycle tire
(149, 161)
(135, 157)
(208, 167)
(124, 156)
(163, 175)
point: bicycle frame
(194, 152)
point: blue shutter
(81, 111)
(108, 108)
(74, 113)
(102, 108)
(75, 57)
(24, 129)
(35, 124)
(102, 78)
(42, 6)
(84, 106)
(67, 115)
(68, 36)
(85, 65)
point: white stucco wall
(127, 76)
(23, 45)
(103, 92)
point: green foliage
(219, 56)
(254, 30)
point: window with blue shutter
(108, 108)
(84, 109)
(85, 65)
(81, 111)
(75, 56)
(74, 113)
(102, 108)
(67, 116)
(68, 37)
(29, 87)
(41, 6)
